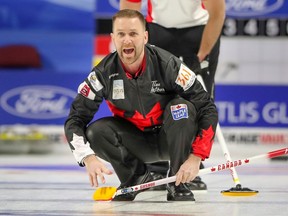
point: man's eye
(121, 34)
(133, 34)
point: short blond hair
(128, 13)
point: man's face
(129, 38)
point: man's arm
(75, 125)
(213, 28)
(130, 4)
(189, 88)
(82, 111)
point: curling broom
(108, 193)
(237, 190)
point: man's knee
(104, 140)
(94, 130)
(101, 132)
(180, 109)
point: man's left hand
(188, 170)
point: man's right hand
(95, 169)
(196, 66)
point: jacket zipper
(139, 100)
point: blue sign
(252, 106)
(257, 8)
(39, 97)
(50, 15)
(107, 8)
(61, 31)
(234, 8)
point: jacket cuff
(80, 156)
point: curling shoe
(136, 180)
(158, 176)
(179, 193)
(197, 185)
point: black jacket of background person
(140, 100)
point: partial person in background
(190, 29)
(161, 112)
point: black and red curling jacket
(140, 100)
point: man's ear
(146, 36)
(112, 37)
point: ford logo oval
(38, 101)
(245, 8)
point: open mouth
(128, 51)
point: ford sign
(248, 8)
(38, 101)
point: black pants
(185, 43)
(128, 149)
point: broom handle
(222, 142)
(226, 153)
(213, 169)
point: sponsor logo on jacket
(156, 88)
(118, 90)
(95, 82)
(85, 90)
(179, 111)
(185, 77)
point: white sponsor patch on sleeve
(185, 77)
(95, 82)
(86, 91)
